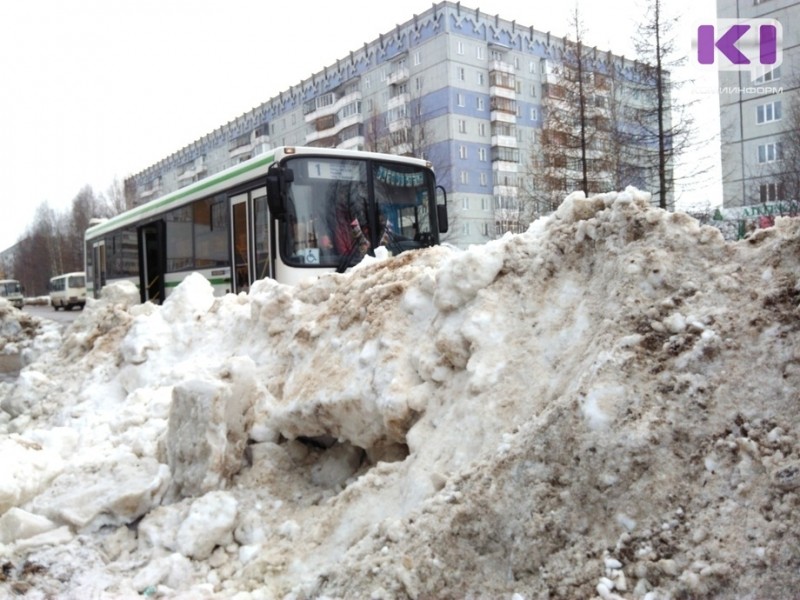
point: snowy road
(46, 312)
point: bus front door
(152, 262)
(241, 244)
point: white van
(68, 290)
(11, 290)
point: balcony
(398, 76)
(353, 143)
(502, 92)
(507, 141)
(404, 149)
(240, 150)
(503, 116)
(504, 166)
(332, 108)
(399, 124)
(398, 100)
(148, 193)
(505, 191)
(334, 126)
(502, 66)
(551, 78)
(191, 172)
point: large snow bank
(603, 406)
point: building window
(533, 90)
(482, 129)
(465, 203)
(484, 182)
(462, 126)
(771, 75)
(516, 63)
(481, 78)
(486, 203)
(770, 152)
(465, 177)
(417, 59)
(769, 112)
(460, 48)
(460, 99)
(482, 155)
(534, 114)
(479, 52)
(461, 73)
(462, 152)
(480, 104)
(465, 229)
(771, 192)
(532, 67)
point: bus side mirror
(277, 178)
(441, 210)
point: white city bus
(289, 214)
(68, 291)
(11, 290)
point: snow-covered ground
(604, 406)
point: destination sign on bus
(338, 170)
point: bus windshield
(9, 288)
(76, 281)
(341, 209)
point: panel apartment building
(759, 115)
(468, 91)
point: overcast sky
(94, 90)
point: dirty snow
(602, 407)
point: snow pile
(603, 406)
(23, 337)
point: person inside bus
(349, 220)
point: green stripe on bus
(177, 195)
(215, 281)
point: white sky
(94, 90)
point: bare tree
(38, 255)
(53, 243)
(116, 201)
(85, 206)
(662, 122)
(583, 144)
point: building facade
(759, 117)
(465, 90)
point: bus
(289, 214)
(68, 291)
(11, 290)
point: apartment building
(468, 91)
(758, 114)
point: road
(46, 312)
